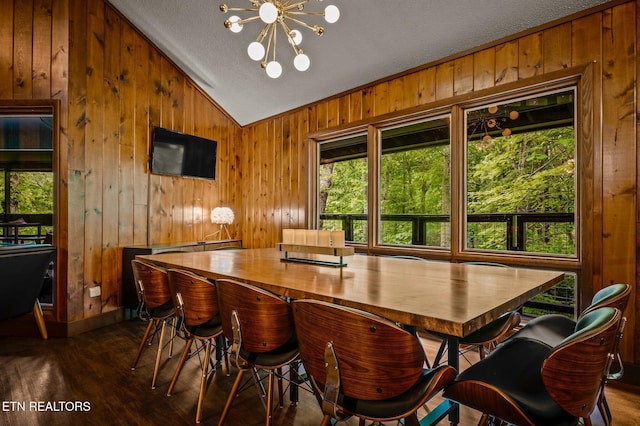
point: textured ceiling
(373, 39)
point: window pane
(343, 187)
(521, 179)
(415, 184)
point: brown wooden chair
(527, 382)
(155, 305)
(260, 325)
(196, 302)
(363, 365)
(552, 329)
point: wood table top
(449, 298)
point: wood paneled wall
(114, 85)
(274, 178)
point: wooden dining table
(454, 299)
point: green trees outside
(29, 193)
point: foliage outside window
(415, 184)
(343, 187)
(520, 175)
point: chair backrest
(23, 271)
(574, 370)
(613, 296)
(196, 296)
(265, 318)
(152, 284)
(377, 360)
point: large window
(415, 184)
(343, 187)
(520, 175)
(492, 179)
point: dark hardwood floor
(87, 380)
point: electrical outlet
(94, 291)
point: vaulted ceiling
(371, 40)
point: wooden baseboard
(88, 324)
(26, 326)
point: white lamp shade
(301, 62)
(268, 13)
(274, 69)
(331, 14)
(222, 215)
(255, 51)
(296, 36)
(235, 26)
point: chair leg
(232, 395)
(603, 407)
(142, 343)
(203, 379)
(280, 391)
(37, 313)
(269, 419)
(158, 355)
(181, 362)
(326, 420)
(438, 358)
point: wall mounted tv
(178, 154)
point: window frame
(580, 78)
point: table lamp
(222, 216)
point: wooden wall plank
(507, 62)
(463, 75)
(484, 68)
(530, 61)
(93, 150)
(381, 98)
(355, 106)
(620, 152)
(42, 60)
(23, 50)
(556, 46)
(127, 143)
(396, 94)
(6, 49)
(427, 86)
(111, 260)
(444, 80)
(344, 110)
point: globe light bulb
(296, 36)
(255, 51)
(331, 14)
(235, 27)
(301, 62)
(274, 69)
(268, 13)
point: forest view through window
(521, 175)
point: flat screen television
(179, 154)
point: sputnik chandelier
(278, 14)
(492, 122)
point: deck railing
(514, 229)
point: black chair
(363, 365)
(155, 305)
(23, 274)
(527, 382)
(196, 301)
(553, 328)
(260, 325)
